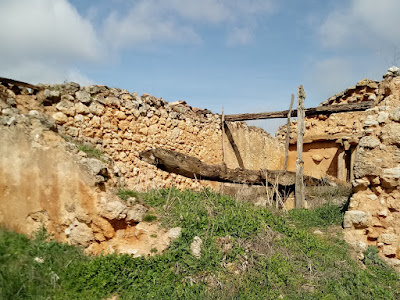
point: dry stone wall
(374, 210)
(122, 124)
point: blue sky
(245, 55)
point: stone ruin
(361, 148)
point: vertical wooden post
(299, 188)
(342, 165)
(287, 134)
(223, 135)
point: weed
(126, 194)
(149, 218)
(153, 250)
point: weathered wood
(223, 135)
(233, 144)
(189, 166)
(320, 110)
(287, 134)
(17, 83)
(299, 187)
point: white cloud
(41, 38)
(154, 21)
(365, 23)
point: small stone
(39, 260)
(195, 247)
(81, 234)
(174, 233)
(319, 232)
(317, 158)
(372, 197)
(114, 210)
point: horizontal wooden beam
(192, 167)
(320, 110)
(17, 83)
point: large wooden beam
(189, 166)
(299, 188)
(17, 83)
(320, 110)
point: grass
(247, 253)
(126, 194)
(91, 151)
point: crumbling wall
(374, 210)
(326, 136)
(47, 182)
(122, 124)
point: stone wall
(122, 124)
(374, 210)
(328, 137)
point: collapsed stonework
(45, 180)
(330, 140)
(373, 217)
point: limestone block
(389, 250)
(390, 177)
(113, 210)
(83, 96)
(80, 234)
(382, 116)
(317, 158)
(369, 142)
(391, 134)
(60, 118)
(388, 238)
(395, 114)
(96, 108)
(370, 121)
(52, 95)
(81, 108)
(195, 247)
(66, 107)
(136, 213)
(356, 218)
(174, 233)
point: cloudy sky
(245, 55)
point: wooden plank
(287, 134)
(17, 83)
(192, 167)
(223, 135)
(299, 187)
(320, 110)
(234, 146)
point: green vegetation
(126, 194)
(91, 151)
(247, 253)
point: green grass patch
(126, 194)
(247, 253)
